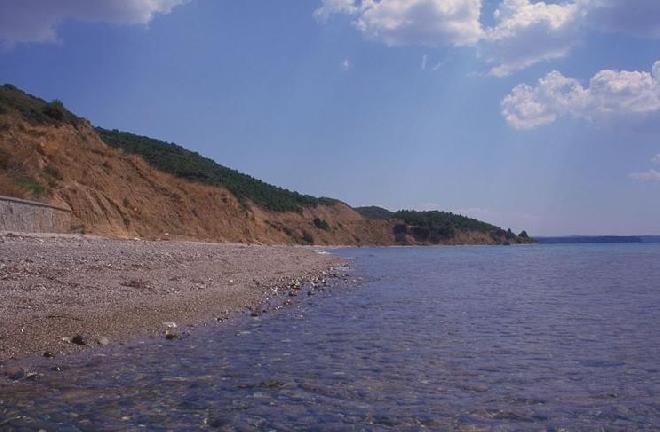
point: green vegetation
(178, 161)
(33, 108)
(307, 237)
(35, 188)
(374, 212)
(53, 172)
(321, 224)
(436, 226)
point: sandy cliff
(114, 194)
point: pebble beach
(65, 293)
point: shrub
(307, 237)
(55, 110)
(321, 224)
(53, 172)
(35, 188)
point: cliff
(50, 155)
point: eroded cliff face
(110, 193)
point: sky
(543, 116)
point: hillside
(121, 184)
(180, 162)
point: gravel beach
(54, 288)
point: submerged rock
(15, 373)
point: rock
(170, 324)
(78, 340)
(49, 354)
(103, 341)
(171, 336)
(15, 373)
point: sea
(551, 337)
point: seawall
(18, 215)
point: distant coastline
(598, 239)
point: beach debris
(103, 341)
(48, 354)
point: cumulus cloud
(609, 94)
(650, 175)
(530, 31)
(411, 22)
(37, 20)
(527, 33)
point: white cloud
(609, 94)
(527, 33)
(37, 20)
(346, 65)
(332, 7)
(411, 22)
(650, 175)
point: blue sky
(542, 116)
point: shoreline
(67, 293)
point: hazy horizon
(542, 116)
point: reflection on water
(464, 338)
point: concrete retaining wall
(28, 216)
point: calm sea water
(441, 338)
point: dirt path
(57, 286)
